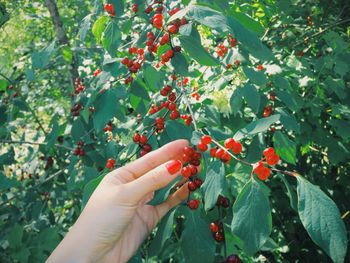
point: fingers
(173, 200)
(150, 161)
(154, 179)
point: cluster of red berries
(133, 64)
(271, 159)
(97, 72)
(152, 46)
(75, 110)
(236, 64)
(142, 140)
(160, 124)
(157, 21)
(79, 149)
(196, 96)
(232, 40)
(174, 26)
(108, 127)
(109, 8)
(78, 86)
(110, 163)
(218, 152)
(191, 159)
(222, 50)
(217, 231)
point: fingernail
(174, 166)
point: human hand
(117, 219)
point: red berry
(202, 147)
(196, 156)
(136, 137)
(186, 172)
(159, 120)
(219, 237)
(206, 139)
(229, 143)
(172, 97)
(194, 170)
(143, 153)
(261, 171)
(143, 139)
(192, 186)
(173, 29)
(219, 152)
(135, 8)
(172, 106)
(195, 162)
(272, 159)
(110, 164)
(237, 147)
(214, 227)
(260, 67)
(193, 204)
(198, 182)
(174, 115)
(213, 152)
(189, 151)
(185, 158)
(148, 9)
(158, 21)
(269, 152)
(147, 147)
(226, 157)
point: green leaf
(153, 78)
(252, 96)
(289, 121)
(321, 219)
(180, 64)
(208, 17)
(247, 22)
(41, 59)
(197, 235)
(197, 52)
(14, 236)
(8, 157)
(236, 101)
(252, 221)
(99, 27)
(106, 107)
(214, 184)
(256, 77)
(284, 147)
(177, 130)
(249, 40)
(290, 192)
(110, 37)
(89, 189)
(164, 232)
(84, 27)
(257, 126)
(7, 183)
(49, 239)
(288, 99)
(3, 84)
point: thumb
(155, 179)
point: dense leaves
(75, 88)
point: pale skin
(117, 219)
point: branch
(62, 35)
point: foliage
(283, 84)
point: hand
(117, 219)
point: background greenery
(304, 46)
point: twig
(189, 107)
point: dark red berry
(192, 186)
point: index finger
(135, 169)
